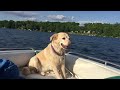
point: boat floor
(48, 76)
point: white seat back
(19, 57)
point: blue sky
(63, 16)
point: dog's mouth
(64, 46)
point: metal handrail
(74, 53)
(106, 63)
(4, 49)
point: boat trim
(106, 63)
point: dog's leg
(38, 66)
(63, 71)
(57, 72)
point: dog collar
(56, 51)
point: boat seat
(19, 57)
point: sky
(63, 16)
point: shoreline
(67, 32)
(92, 35)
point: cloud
(30, 19)
(61, 18)
(21, 13)
(35, 16)
(72, 18)
(56, 17)
(46, 20)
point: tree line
(91, 29)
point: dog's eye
(63, 38)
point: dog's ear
(53, 37)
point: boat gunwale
(94, 59)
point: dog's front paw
(42, 73)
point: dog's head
(62, 39)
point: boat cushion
(8, 70)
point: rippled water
(99, 47)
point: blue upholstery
(8, 70)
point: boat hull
(80, 67)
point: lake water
(100, 47)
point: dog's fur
(51, 58)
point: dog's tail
(29, 70)
(26, 71)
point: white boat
(77, 67)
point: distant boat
(78, 67)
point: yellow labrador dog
(51, 58)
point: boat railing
(4, 49)
(106, 63)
